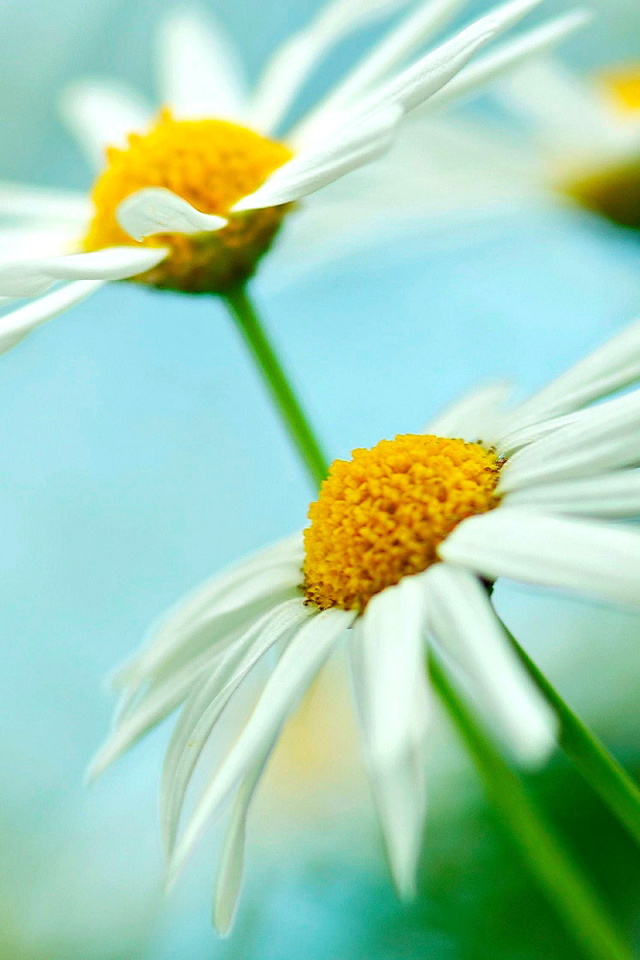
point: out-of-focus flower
(588, 134)
(404, 541)
(576, 140)
(192, 198)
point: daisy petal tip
(156, 210)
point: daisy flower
(577, 140)
(192, 197)
(587, 132)
(404, 543)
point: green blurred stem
(550, 864)
(602, 771)
(282, 393)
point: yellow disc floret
(210, 163)
(382, 515)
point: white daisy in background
(403, 544)
(191, 198)
(587, 133)
(575, 139)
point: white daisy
(577, 139)
(192, 198)
(587, 133)
(403, 542)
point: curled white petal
(423, 79)
(390, 53)
(297, 667)
(19, 323)
(583, 556)
(157, 210)
(179, 636)
(510, 55)
(231, 863)
(393, 703)
(204, 707)
(461, 616)
(27, 278)
(600, 438)
(609, 368)
(318, 166)
(612, 495)
(293, 62)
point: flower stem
(602, 771)
(289, 407)
(551, 866)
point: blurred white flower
(403, 541)
(575, 139)
(193, 198)
(587, 134)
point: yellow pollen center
(210, 163)
(622, 86)
(383, 514)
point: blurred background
(139, 456)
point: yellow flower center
(382, 515)
(210, 163)
(614, 193)
(623, 87)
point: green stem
(286, 401)
(550, 865)
(602, 771)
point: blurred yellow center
(623, 87)
(382, 515)
(210, 163)
(614, 191)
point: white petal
(609, 368)
(612, 495)
(201, 712)
(18, 324)
(212, 614)
(28, 278)
(35, 240)
(162, 698)
(461, 616)
(510, 55)
(214, 595)
(475, 417)
(603, 437)
(200, 75)
(157, 210)
(315, 167)
(565, 111)
(292, 62)
(41, 203)
(421, 80)
(391, 693)
(299, 664)
(101, 114)
(231, 865)
(597, 559)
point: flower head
(403, 544)
(190, 198)
(587, 134)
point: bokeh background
(139, 456)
